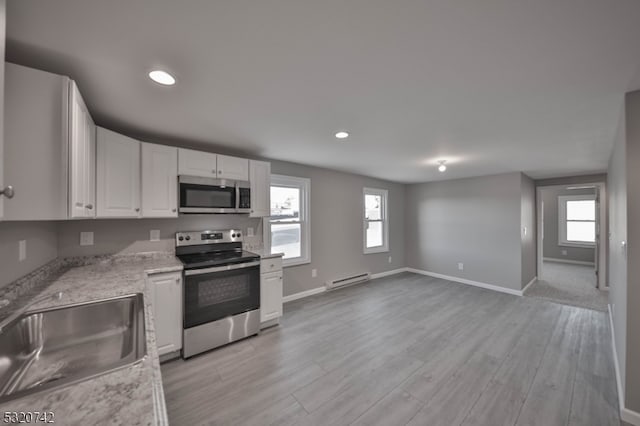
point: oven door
(211, 294)
(203, 195)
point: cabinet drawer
(271, 264)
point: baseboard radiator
(343, 282)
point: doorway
(571, 251)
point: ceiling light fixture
(162, 77)
(342, 135)
(442, 167)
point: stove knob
(188, 237)
(180, 238)
(233, 235)
(239, 234)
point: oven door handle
(221, 268)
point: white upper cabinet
(118, 175)
(233, 168)
(197, 163)
(49, 147)
(4, 192)
(205, 164)
(159, 181)
(82, 157)
(260, 179)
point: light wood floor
(407, 349)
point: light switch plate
(154, 235)
(22, 250)
(314, 273)
(250, 232)
(86, 238)
(460, 266)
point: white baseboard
(572, 262)
(466, 281)
(530, 283)
(626, 415)
(319, 290)
(303, 294)
(388, 273)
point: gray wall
(573, 180)
(528, 228)
(551, 249)
(42, 247)
(336, 227)
(617, 188)
(475, 221)
(632, 394)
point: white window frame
(384, 212)
(562, 220)
(304, 185)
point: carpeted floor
(570, 285)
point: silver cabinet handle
(138, 209)
(8, 191)
(89, 206)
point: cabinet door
(166, 298)
(118, 175)
(260, 179)
(2, 42)
(233, 168)
(196, 163)
(81, 157)
(159, 181)
(270, 296)
(90, 166)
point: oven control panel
(193, 238)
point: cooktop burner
(202, 260)
(202, 249)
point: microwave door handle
(237, 197)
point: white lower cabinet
(166, 295)
(270, 293)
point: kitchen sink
(53, 347)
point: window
(577, 220)
(289, 221)
(376, 229)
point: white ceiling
(493, 86)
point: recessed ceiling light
(162, 77)
(442, 167)
(342, 135)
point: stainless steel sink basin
(53, 347)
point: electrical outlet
(250, 232)
(460, 266)
(154, 235)
(390, 260)
(22, 250)
(314, 273)
(86, 238)
(564, 252)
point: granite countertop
(132, 395)
(265, 254)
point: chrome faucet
(18, 312)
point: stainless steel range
(221, 289)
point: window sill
(376, 250)
(577, 245)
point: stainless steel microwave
(200, 195)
